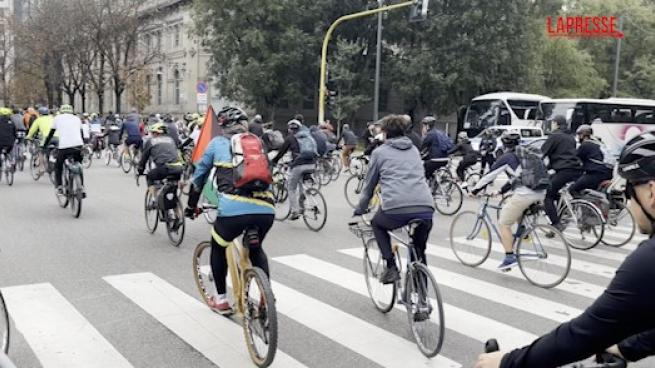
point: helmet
(85, 114)
(5, 111)
(44, 110)
(195, 116)
(66, 109)
(94, 115)
(637, 161)
(463, 135)
(294, 124)
(510, 139)
(157, 128)
(584, 130)
(258, 119)
(429, 121)
(231, 115)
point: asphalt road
(100, 291)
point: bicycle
(588, 222)
(8, 167)
(355, 183)
(326, 171)
(71, 180)
(617, 213)
(447, 194)
(534, 244)
(19, 150)
(417, 289)
(130, 158)
(5, 333)
(602, 360)
(251, 294)
(111, 153)
(87, 156)
(165, 206)
(358, 165)
(313, 207)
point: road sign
(419, 12)
(201, 98)
(201, 87)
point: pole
(617, 60)
(322, 91)
(378, 59)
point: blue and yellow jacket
(229, 200)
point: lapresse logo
(583, 27)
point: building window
(148, 41)
(159, 35)
(176, 86)
(149, 87)
(159, 88)
(176, 36)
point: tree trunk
(101, 85)
(83, 99)
(101, 102)
(71, 98)
(118, 92)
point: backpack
(275, 139)
(250, 166)
(321, 142)
(307, 149)
(609, 160)
(534, 174)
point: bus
(614, 120)
(500, 108)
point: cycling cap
(637, 161)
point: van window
(524, 109)
(530, 133)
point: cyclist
(348, 146)
(171, 127)
(377, 141)
(435, 147)
(560, 150)
(237, 210)
(29, 116)
(512, 211)
(7, 131)
(70, 142)
(321, 140)
(488, 145)
(42, 126)
(396, 166)
(411, 134)
(256, 126)
(469, 156)
(303, 154)
(162, 151)
(21, 130)
(622, 317)
(591, 155)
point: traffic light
(332, 97)
(419, 11)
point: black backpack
(534, 174)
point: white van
(501, 108)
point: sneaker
(509, 262)
(294, 216)
(60, 190)
(222, 307)
(389, 275)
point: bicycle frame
(238, 262)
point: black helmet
(510, 139)
(585, 130)
(429, 121)
(637, 161)
(231, 115)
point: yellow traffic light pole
(322, 92)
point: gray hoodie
(397, 167)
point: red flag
(209, 130)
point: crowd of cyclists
(401, 163)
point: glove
(359, 211)
(191, 212)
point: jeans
(295, 181)
(75, 153)
(557, 182)
(383, 223)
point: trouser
(161, 173)
(346, 151)
(488, 159)
(590, 180)
(557, 182)
(7, 150)
(136, 141)
(463, 165)
(295, 181)
(383, 222)
(226, 229)
(432, 166)
(73, 152)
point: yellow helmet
(157, 128)
(5, 111)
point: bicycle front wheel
(470, 238)
(619, 217)
(259, 317)
(314, 209)
(425, 310)
(108, 155)
(34, 167)
(544, 256)
(5, 327)
(281, 198)
(448, 197)
(584, 224)
(352, 189)
(202, 270)
(151, 212)
(382, 295)
(76, 196)
(10, 174)
(335, 167)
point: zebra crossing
(478, 305)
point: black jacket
(561, 152)
(465, 149)
(291, 143)
(592, 157)
(623, 314)
(7, 132)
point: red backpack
(250, 164)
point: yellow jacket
(42, 125)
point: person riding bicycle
(29, 116)
(435, 147)
(348, 146)
(70, 142)
(321, 140)
(171, 127)
(376, 141)
(560, 150)
(488, 145)
(595, 169)
(238, 210)
(303, 154)
(469, 156)
(7, 131)
(522, 198)
(162, 151)
(622, 317)
(397, 168)
(416, 139)
(17, 119)
(42, 126)
(131, 128)
(256, 126)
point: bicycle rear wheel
(352, 189)
(382, 295)
(76, 196)
(619, 215)
(151, 212)
(544, 256)
(470, 238)
(202, 270)
(281, 199)
(448, 196)
(108, 156)
(425, 309)
(584, 224)
(126, 162)
(63, 198)
(34, 167)
(9, 174)
(259, 317)
(314, 209)
(175, 224)
(335, 165)
(5, 327)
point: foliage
(348, 84)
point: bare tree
(6, 55)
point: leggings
(226, 229)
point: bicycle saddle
(413, 224)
